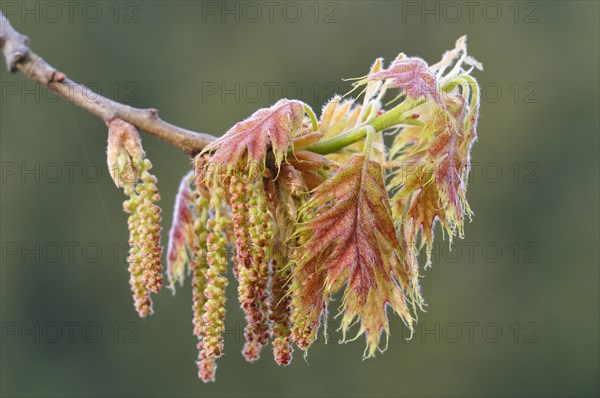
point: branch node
(14, 45)
(58, 77)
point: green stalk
(338, 142)
(312, 116)
(389, 119)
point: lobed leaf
(273, 127)
(412, 75)
(432, 172)
(350, 240)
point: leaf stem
(386, 120)
(312, 116)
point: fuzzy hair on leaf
(351, 241)
(313, 207)
(273, 127)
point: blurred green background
(513, 309)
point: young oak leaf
(448, 156)
(275, 127)
(423, 210)
(182, 233)
(411, 74)
(350, 240)
(432, 175)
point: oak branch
(19, 57)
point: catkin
(199, 266)
(145, 267)
(303, 328)
(214, 308)
(130, 170)
(240, 209)
(301, 331)
(239, 214)
(150, 230)
(280, 313)
(207, 366)
(141, 295)
(256, 301)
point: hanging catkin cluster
(314, 208)
(130, 170)
(199, 268)
(254, 278)
(213, 319)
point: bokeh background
(513, 309)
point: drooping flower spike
(312, 207)
(130, 170)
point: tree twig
(19, 57)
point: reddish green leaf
(273, 127)
(350, 240)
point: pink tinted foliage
(412, 75)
